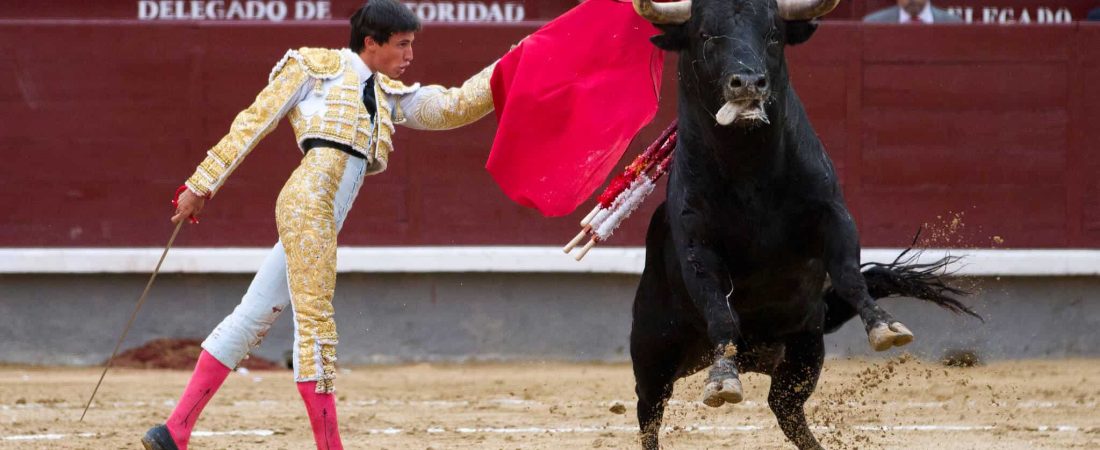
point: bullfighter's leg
(243, 330)
(842, 263)
(224, 349)
(792, 384)
(309, 212)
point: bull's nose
(748, 82)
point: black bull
(754, 221)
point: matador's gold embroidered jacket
(321, 91)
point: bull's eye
(704, 35)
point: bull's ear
(673, 39)
(799, 31)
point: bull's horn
(664, 13)
(804, 9)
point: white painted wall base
(610, 260)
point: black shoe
(158, 438)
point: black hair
(380, 19)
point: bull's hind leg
(842, 263)
(793, 381)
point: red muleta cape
(569, 99)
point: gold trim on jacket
(435, 107)
(342, 117)
(284, 88)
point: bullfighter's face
(391, 58)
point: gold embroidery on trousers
(306, 218)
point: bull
(754, 223)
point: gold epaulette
(320, 63)
(394, 87)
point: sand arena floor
(860, 404)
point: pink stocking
(208, 377)
(322, 416)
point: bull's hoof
(716, 393)
(883, 336)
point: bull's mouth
(743, 111)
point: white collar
(925, 15)
(357, 63)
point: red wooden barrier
(972, 11)
(984, 11)
(102, 121)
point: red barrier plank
(1023, 216)
(1088, 48)
(967, 43)
(989, 124)
(970, 86)
(978, 133)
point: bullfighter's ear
(673, 39)
(799, 31)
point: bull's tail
(901, 278)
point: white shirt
(360, 67)
(925, 15)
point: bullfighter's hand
(190, 205)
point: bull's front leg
(708, 283)
(842, 263)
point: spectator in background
(1094, 15)
(912, 11)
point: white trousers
(270, 294)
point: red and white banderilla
(625, 193)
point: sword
(141, 300)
